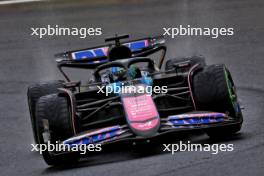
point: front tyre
(55, 110)
(214, 90)
(34, 93)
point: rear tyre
(193, 60)
(34, 93)
(56, 111)
(214, 90)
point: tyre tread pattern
(36, 91)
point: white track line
(17, 1)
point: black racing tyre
(214, 90)
(34, 93)
(193, 60)
(56, 110)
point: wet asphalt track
(25, 59)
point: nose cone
(141, 114)
(146, 129)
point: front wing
(174, 123)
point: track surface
(25, 59)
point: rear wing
(98, 55)
(90, 58)
(101, 52)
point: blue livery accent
(196, 119)
(83, 54)
(102, 52)
(138, 45)
(95, 136)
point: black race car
(192, 96)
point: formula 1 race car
(186, 95)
